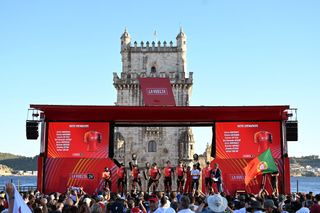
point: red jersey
(106, 175)
(120, 172)
(91, 138)
(179, 171)
(167, 171)
(135, 173)
(207, 172)
(153, 172)
(263, 139)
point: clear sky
(241, 53)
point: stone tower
(153, 144)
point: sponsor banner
(78, 140)
(247, 139)
(233, 176)
(157, 92)
(63, 173)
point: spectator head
(217, 203)
(184, 202)
(309, 203)
(87, 201)
(96, 208)
(255, 206)
(269, 205)
(153, 202)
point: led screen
(78, 140)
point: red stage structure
(77, 141)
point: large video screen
(78, 140)
(62, 173)
(247, 139)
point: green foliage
(17, 162)
(312, 160)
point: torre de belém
(149, 60)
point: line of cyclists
(187, 178)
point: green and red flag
(263, 164)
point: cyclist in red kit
(180, 171)
(136, 177)
(207, 173)
(106, 175)
(154, 174)
(263, 139)
(167, 172)
(91, 138)
(121, 174)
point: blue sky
(241, 53)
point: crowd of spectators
(77, 201)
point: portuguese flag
(262, 164)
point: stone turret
(181, 41)
(125, 40)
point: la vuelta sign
(157, 91)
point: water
(19, 180)
(306, 184)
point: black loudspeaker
(292, 131)
(32, 131)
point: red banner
(78, 140)
(62, 173)
(157, 92)
(233, 176)
(247, 139)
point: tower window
(152, 146)
(153, 69)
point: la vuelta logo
(157, 91)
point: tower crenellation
(151, 46)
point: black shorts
(208, 181)
(151, 181)
(121, 181)
(167, 181)
(137, 180)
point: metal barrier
(21, 188)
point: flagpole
(156, 36)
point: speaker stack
(32, 131)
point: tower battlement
(153, 46)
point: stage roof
(146, 115)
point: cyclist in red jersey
(136, 177)
(154, 174)
(207, 173)
(187, 186)
(121, 174)
(180, 171)
(106, 175)
(167, 172)
(91, 138)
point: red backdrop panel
(61, 173)
(247, 139)
(78, 140)
(157, 92)
(233, 176)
